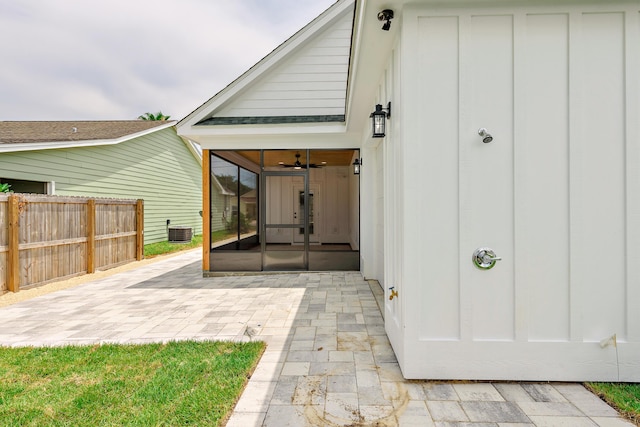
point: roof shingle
(36, 131)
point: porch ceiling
(273, 157)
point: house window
(32, 187)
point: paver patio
(328, 360)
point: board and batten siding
(158, 168)
(312, 81)
(556, 194)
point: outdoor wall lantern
(379, 120)
(356, 166)
(385, 15)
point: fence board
(59, 237)
(4, 243)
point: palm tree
(156, 116)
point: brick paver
(328, 360)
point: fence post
(206, 210)
(91, 236)
(139, 229)
(13, 257)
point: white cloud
(82, 59)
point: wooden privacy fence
(44, 238)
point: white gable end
(311, 81)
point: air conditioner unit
(180, 234)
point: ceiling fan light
(297, 165)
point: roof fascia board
(223, 191)
(33, 146)
(192, 148)
(249, 130)
(279, 142)
(267, 63)
(356, 41)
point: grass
(216, 236)
(161, 248)
(173, 384)
(625, 397)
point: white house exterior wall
(394, 177)
(555, 193)
(312, 81)
(382, 210)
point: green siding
(217, 209)
(158, 168)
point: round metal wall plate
(485, 258)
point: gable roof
(40, 135)
(259, 97)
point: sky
(118, 59)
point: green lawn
(161, 248)
(623, 396)
(219, 235)
(174, 384)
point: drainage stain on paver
(347, 409)
(478, 392)
(564, 409)
(447, 411)
(502, 412)
(543, 392)
(328, 361)
(440, 391)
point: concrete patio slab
(328, 362)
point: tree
(152, 116)
(5, 188)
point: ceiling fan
(299, 165)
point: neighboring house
(220, 206)
(132, 159)
(505, 253)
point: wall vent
(179, 234)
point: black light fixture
(356, 166)
(379, 118)
(386, 15)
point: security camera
(386, 15)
